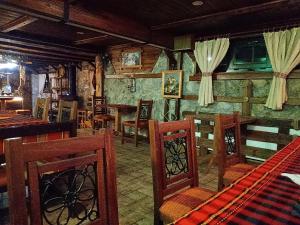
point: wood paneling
(149, 58)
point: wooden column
(247, 94)
(24, 88)
(99, 76)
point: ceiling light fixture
(197, 3)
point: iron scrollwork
(176, 160)
(144, 114)
(70, 196)
(230, 141)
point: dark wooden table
(120, 109)
(262, 196)
(32, 129)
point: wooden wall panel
(149, 57)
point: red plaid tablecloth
(263, 196)
(8, 120)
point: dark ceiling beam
(91, 40)
(50, 47)
(17, 23)
(232, 12)
(102, 22)
(43, 52)
(38, 56)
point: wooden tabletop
(9, 120)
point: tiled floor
(134, 182)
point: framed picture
(132, 59)
(172, 83)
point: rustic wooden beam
(68, 49)
(228, 13)
(262, 100)
(103, 22)
(244, 76)
(43, 52)
(91, 40)
(247, 93)
(137, 75)
(38, 56)
(218, 98)
(17, 23)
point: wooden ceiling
(75, 30)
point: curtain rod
(250, 33)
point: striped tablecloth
(263, 196)
(9, 120)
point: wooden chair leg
(148, 136)
(157, 220)
(136, 134)
(122, 133)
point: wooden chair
(78, 189)
(143, 115)
(174, 170)
(227, 145)
(41, 108)
(67, 110)
(101, 117)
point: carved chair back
(69, 181)
(227, 141)
(41, 108)
(173, 156)
(67, 110)
(144, 111)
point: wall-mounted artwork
(132, 59)
(172, 83)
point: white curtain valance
(208, 55)
(284, 52)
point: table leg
(118, 120)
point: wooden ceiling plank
(17, 23)
(232, 12)
(45, 52)
(14, 52)
(91, 40)
(104, 22)
(45, 46)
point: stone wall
(117, 91)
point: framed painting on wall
(131, 59)
(172, 83)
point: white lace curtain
(208, 55)
(284, 52)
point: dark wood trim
(218, 98)
(36, 55)
(28, 43)
(43, 52)
(228, 13)
(133, 75)
(244, 76)
(17, 23)
(91, 40)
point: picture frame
(131, 59)
(172, 83)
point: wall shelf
(133, 75)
